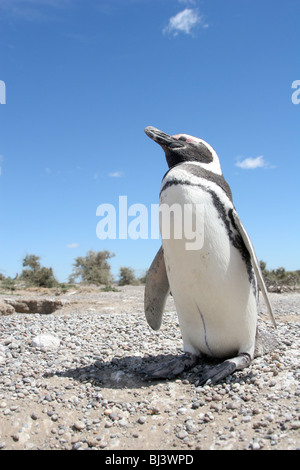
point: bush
(64, 287)
(8, 283)
(279, 277)
(109, 289)
(37, 275)
(143, 278)
(93, 268)
(127, 277)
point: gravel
(87, 392)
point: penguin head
(182, 148)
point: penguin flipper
(255, 264)
(156, 291)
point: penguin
(214, 283)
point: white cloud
(253, 163)
(116, 174)
(184, 22)
(72, 245)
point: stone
(2, 353)
(295, 425)
(42, 306)
(45, 341)
(77, 445)
(6, 309)
(79, 425)
(182, 434)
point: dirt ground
(89, 393)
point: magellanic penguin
(215, 285)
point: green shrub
(279, 277)
(109, 289)
(7, 283)
(37, 275)
(93, 268)
(143, 278)
(127, 277)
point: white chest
(209, 281)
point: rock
(45, 342)
(182, 434)
(77, 445)
(295, 425)
(48, 397)
(255, 446)
(6, 309)
(2, 353)
(79, 425)
(190, 426)
(42, 306)
(113, 416)
(233, 406)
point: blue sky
(85, 77)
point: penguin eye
(182, 138)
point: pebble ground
(89, 393)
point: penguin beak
(163, 139)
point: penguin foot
(170, 369)
(221, 371)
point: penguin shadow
(131, 372)
(118, 373)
